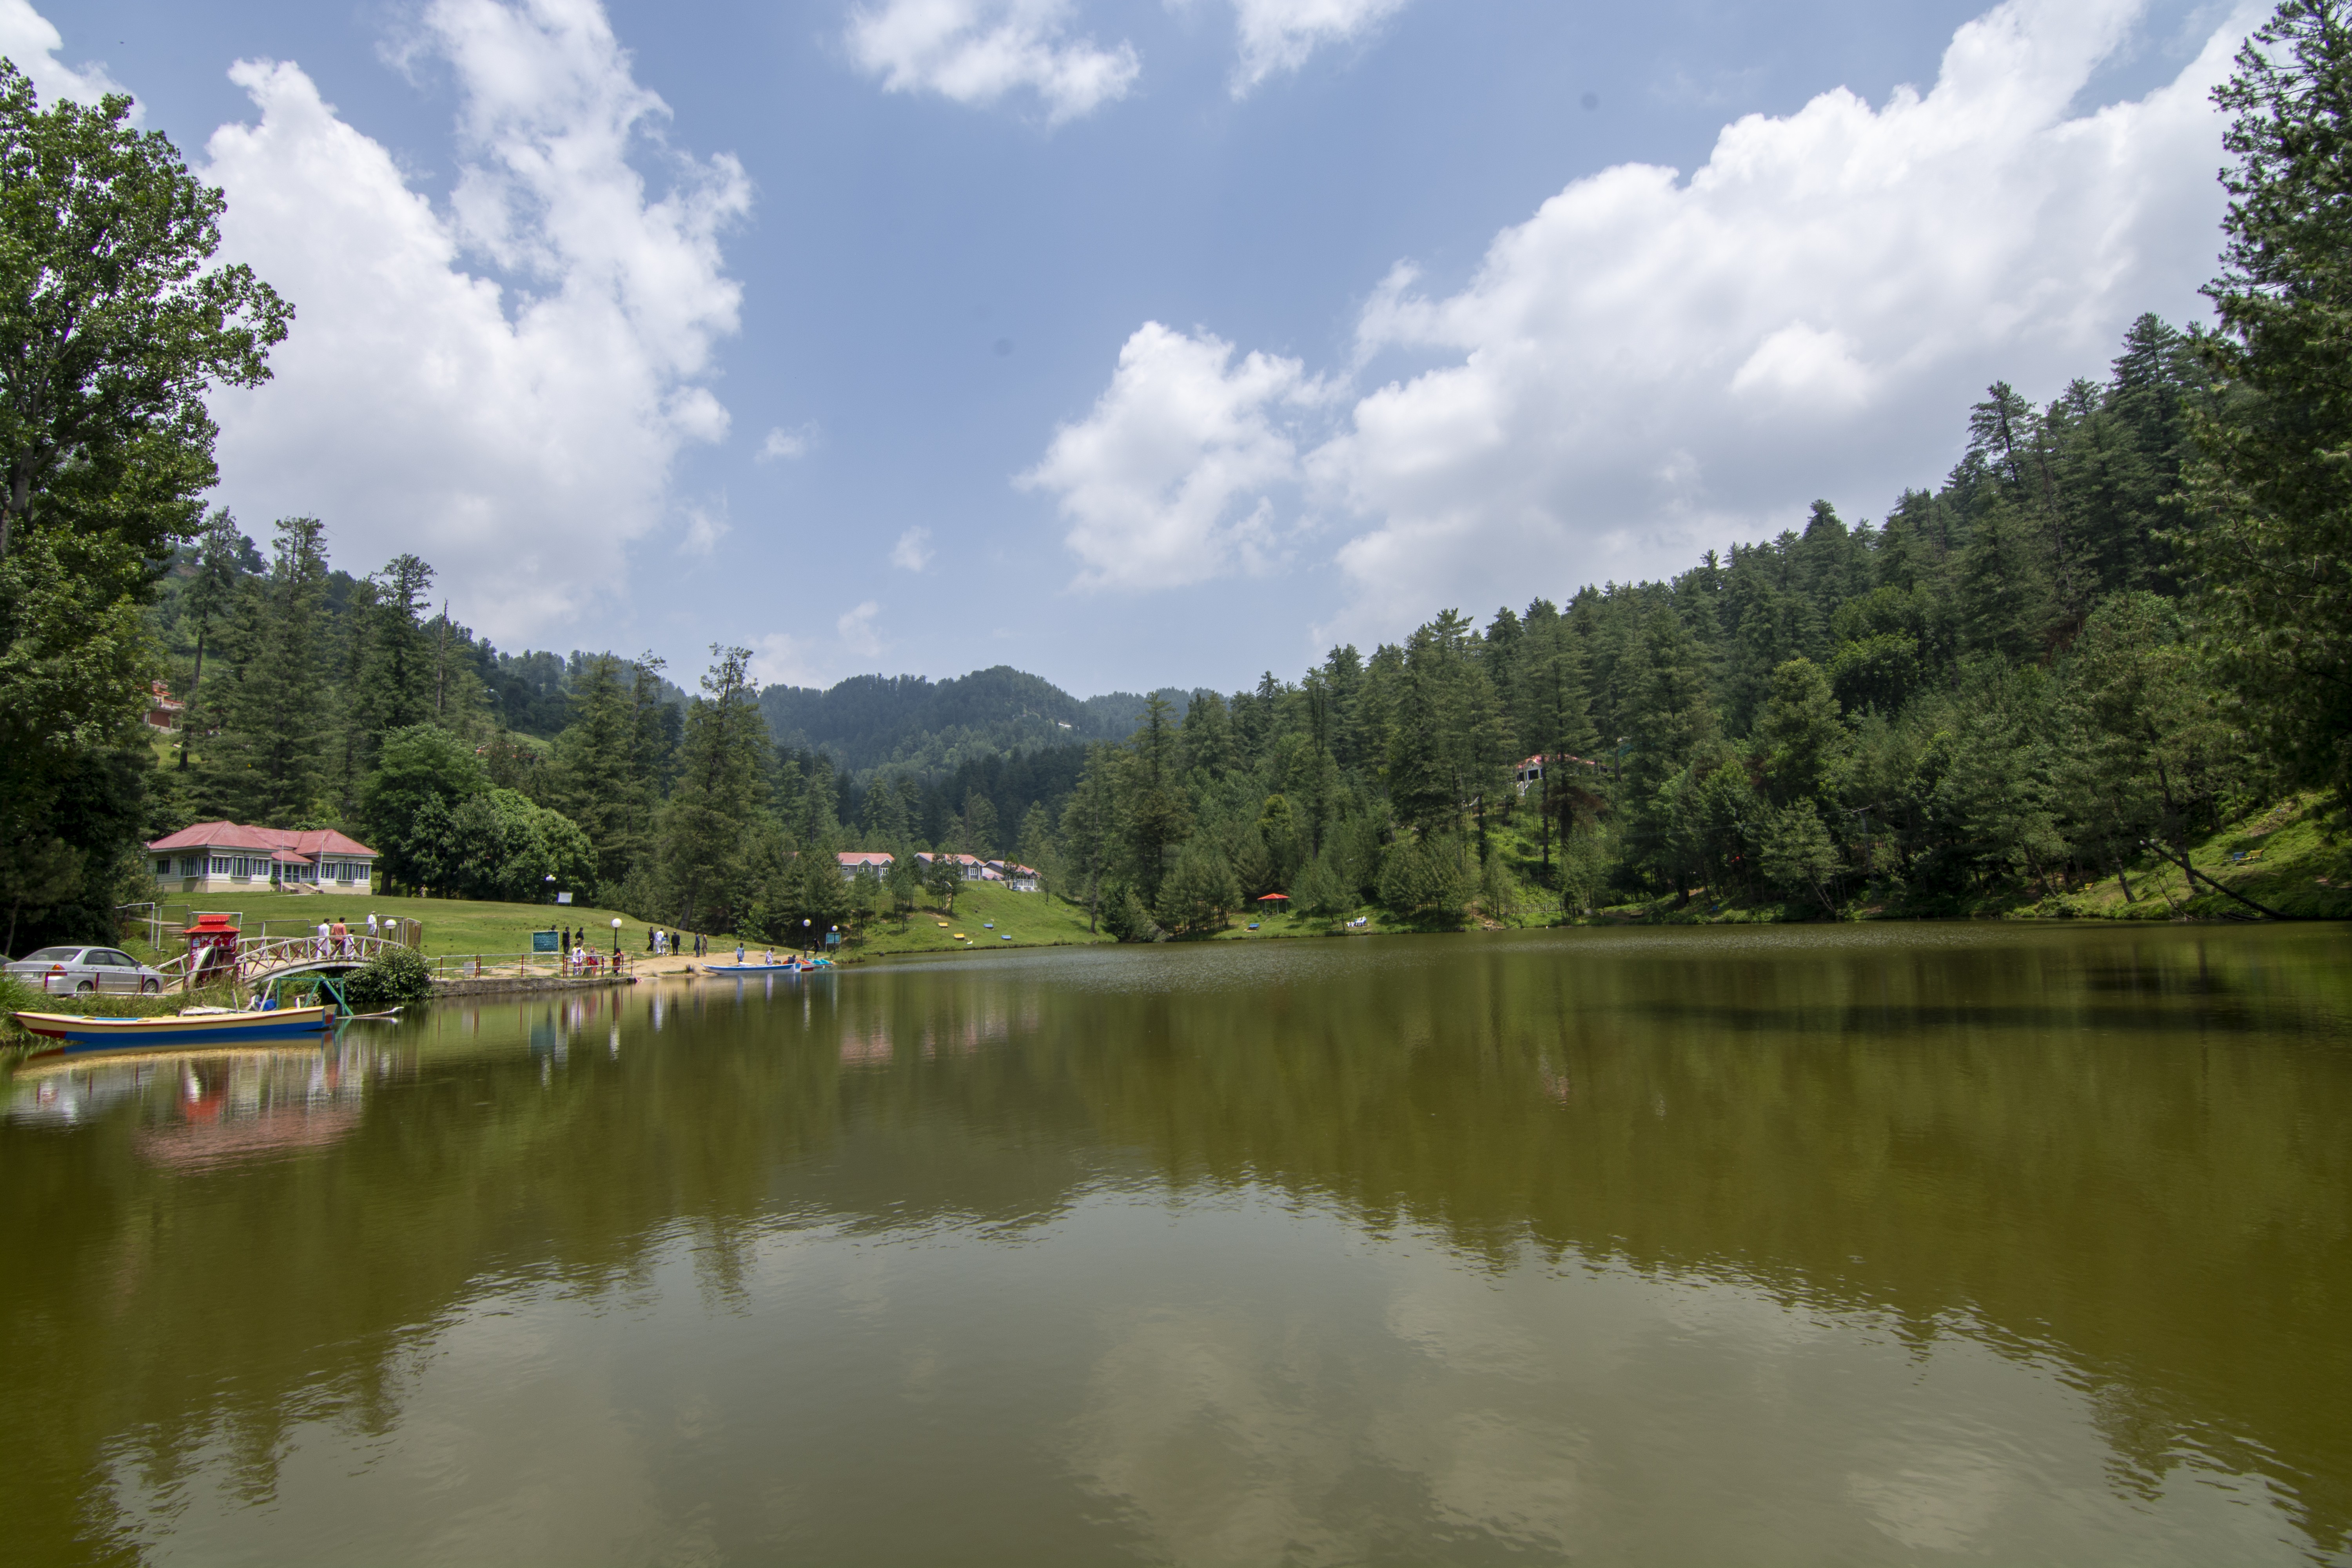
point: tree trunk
(188, 710)
(2196, 875)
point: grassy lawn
(1030, 919)
(2290, 867)
(451, 925)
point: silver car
(69, 971)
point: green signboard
(545, 941)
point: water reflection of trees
(2132, 1160)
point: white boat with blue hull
(70, 1034)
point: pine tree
(277, 715)
(212, 596)
(710, 827)
(2275, 556)
(1155, 814)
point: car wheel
(150, 988)
(84, 987)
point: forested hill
(912, 724)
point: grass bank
(986, 917)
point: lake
(1878, 1244)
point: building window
(164, 867)
(220, 865)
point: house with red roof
(972, 867)
(222, 857)
(855, 862)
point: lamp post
(551, 887)
(804, 937)
(617, 936)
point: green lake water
(1888, 1244)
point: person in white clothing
(325, 936)
(373, 928)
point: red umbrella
(1264, 898)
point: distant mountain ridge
(911, 722)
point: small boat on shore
(767, 968)
(70, 1034)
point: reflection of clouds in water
(1934, 1499)
(1368, 1393)
(1212, 1429)
(1511, 1475)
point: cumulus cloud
(790, 446)
(705, 527)
(779, 658)
(1651, 365)
(1279, 34)
(519, 434)
(32, 42)
(1167, 480)
(855, 629)
(913, 550)
(981, 51)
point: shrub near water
(395, 977)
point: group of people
(660, 943)
(334, 937)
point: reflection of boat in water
(205, 1107)
(68, 1034)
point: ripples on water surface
(1890, 1244)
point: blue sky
(1140, 344)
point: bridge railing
(258, 960)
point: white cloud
(1278, 35)
(779, 658)
(31, 41)
(790, 446)
(1652, 365)
(1166, 481)
(705, 527)
(980, 51)
(913, 551)
(518, 438)
(855, 629)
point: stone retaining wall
(494, 985)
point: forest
(2118, 623)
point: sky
(1139, 342)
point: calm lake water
(1901, 1243)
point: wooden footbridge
(280, 958)
(273, 959)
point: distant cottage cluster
(877, 863)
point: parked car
(68, 971)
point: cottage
(972, 867)
(1531, 771)
(855, 862)
(164, 710)
(215, 857)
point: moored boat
(70, 1034)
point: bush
(395, 977)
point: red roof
(863, 857)
(233, 835)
